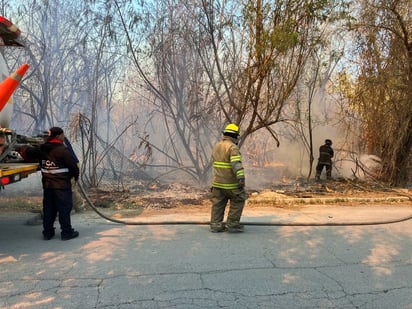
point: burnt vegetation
(144, 98)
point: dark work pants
(220, 198)
(319, 169)
(57, 201)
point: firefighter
(228, 183)
(325, 160)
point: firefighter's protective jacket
(227, 164)
(325, 154)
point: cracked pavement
(186, 266)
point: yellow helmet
(231, 129)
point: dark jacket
(57, 165)
(325, 154)
(70, 147)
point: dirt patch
(180, 197)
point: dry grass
(285, 194)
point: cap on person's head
(53, 132)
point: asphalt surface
(185, 266)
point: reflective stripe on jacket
(227, 164)
(56, 171)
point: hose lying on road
(90, 203)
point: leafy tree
(277, 37)
(382, 91)
(229, 61)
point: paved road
(186, 266)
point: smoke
(361, 166)
(290, 161)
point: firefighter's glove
(241, 182)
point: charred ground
(287, 193)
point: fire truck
(13, 167)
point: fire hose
(91, 205)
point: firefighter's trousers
(220, 199)
(328, 168)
